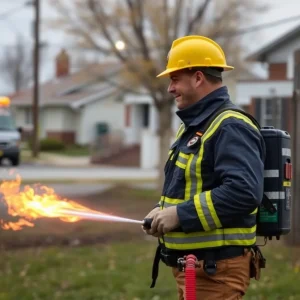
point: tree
(16, 65)
(148, 28)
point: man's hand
(164, 221)
(151, 216)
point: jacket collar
(201, 110)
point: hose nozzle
(147, 223)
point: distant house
(73, 108)
(269, 99)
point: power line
(263, 26)
(225, 34)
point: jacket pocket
(183, 159)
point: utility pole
(35, 104)
(294, 237)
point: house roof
(262, 53)
(77, 89)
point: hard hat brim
(168, 71)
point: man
(213, 176)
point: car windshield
(7, 123)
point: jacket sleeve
(239, 166)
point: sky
(21, 22)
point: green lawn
(74, 151)
(121, 271)
(113, 261)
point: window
(145, 109)
(271, 112)
(28, 116)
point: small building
(269, 99)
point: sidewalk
(54, 159)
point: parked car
(10, 135)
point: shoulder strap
(266, 202)
(225, 107)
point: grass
(74, 151)
(69, 151)
(121, 271)
(90, 260)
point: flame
(31, 204)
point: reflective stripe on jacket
(216, 180)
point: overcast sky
(21, 22)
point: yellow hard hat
(195, 51)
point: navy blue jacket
(232, 166)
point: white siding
(281, 54)
(54, 119)
(286, 54)
(107, 110)
(248, 90)
(59, 119)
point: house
(89, 107)
(74, 108)
(269, 99)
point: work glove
(164, 221)
(151, 216)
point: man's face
(183, 88)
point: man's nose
(171, 88)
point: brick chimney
(62, 64)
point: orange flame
(30, 205)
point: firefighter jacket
(214, 177)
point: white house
(268, 99)
(73, 107)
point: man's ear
(199, 76)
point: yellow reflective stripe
(214, 232)
(195, 234)
(240, 230)
(254, 212)
(180, 165)
(212, 209)
(171, 158)
(200, 213)
(180, 131)
(202, 245)
(186, 156)
(210, 131)
(170, 151)
(206, 211)
(215, 238)
(173, 201)
(198, 170)
(249, 242)
(216, 123)
(177, 246)
(188, 181)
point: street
(54, 173)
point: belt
(170, 258)
(210, 256)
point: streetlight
(120, 45)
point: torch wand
(146, 223)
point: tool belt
(209, 257)
(170, 258)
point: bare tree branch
(16, 66)
(178, 9)
(199, 14)
(137, 19)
